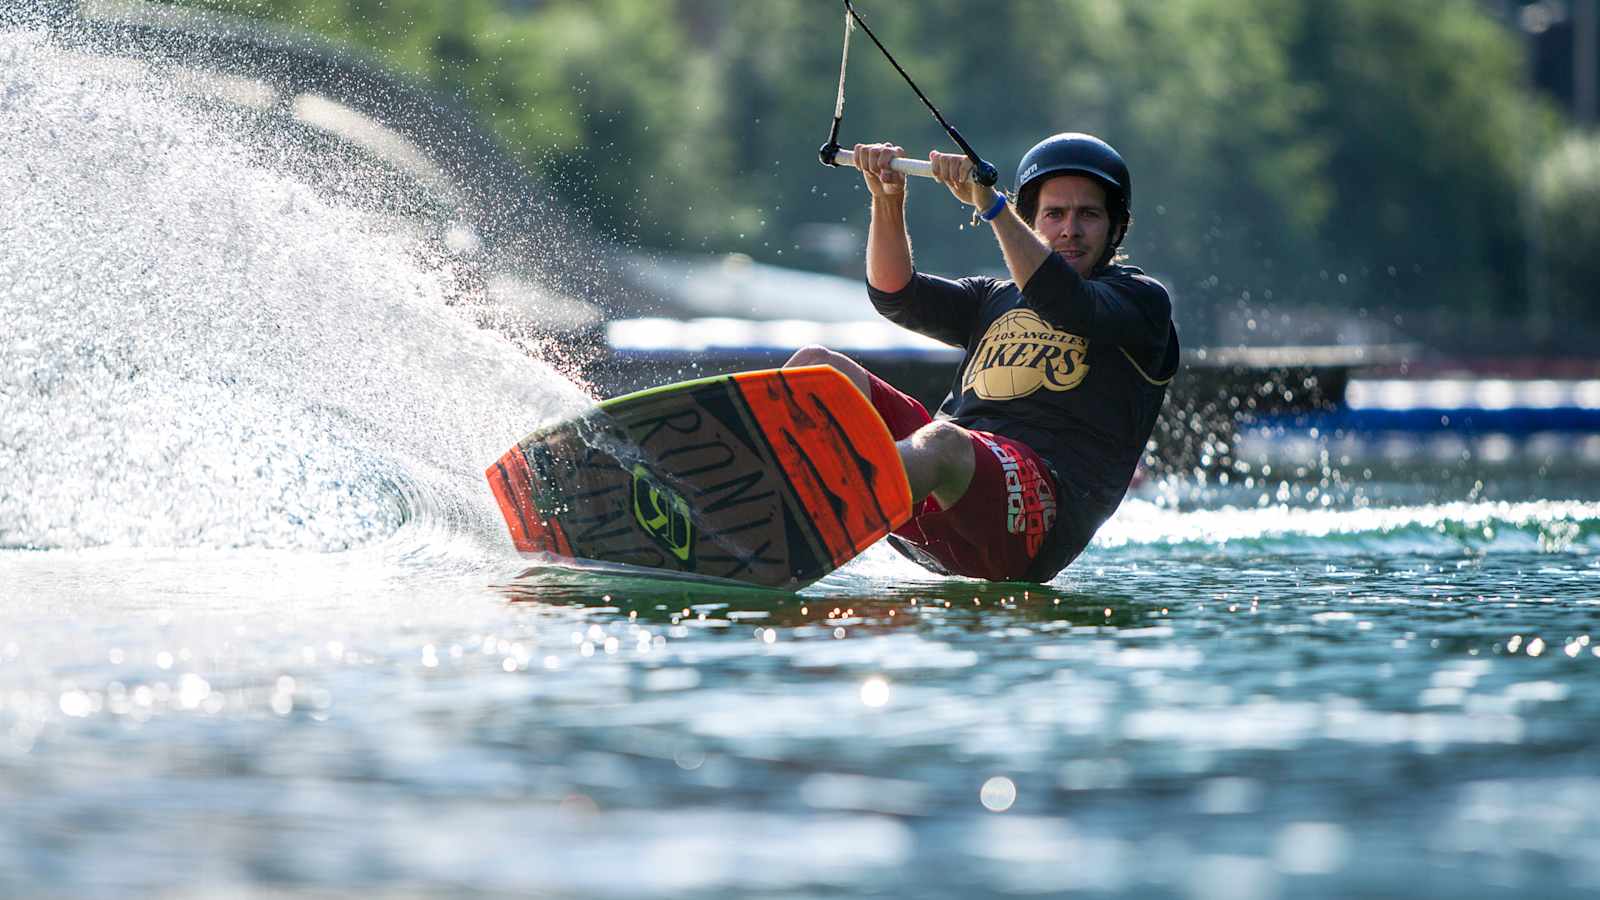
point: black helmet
(1084, 154)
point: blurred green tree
(1430, 127)
(1569, 198)
(1347, 153)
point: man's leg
(938, 461)
(822, 356)
(937, 456)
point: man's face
(1073, 220)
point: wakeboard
(773, 478)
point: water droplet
(998, 794)
(875, 691)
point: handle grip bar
(983, 174)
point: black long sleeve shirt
(1076, 368)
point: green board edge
(665, 389)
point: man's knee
(816, 355)
(945, 439)
(939, 461)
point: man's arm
(941, 309)
(889, 266)
(1024, 252)
(1019, 244)
(888, 245)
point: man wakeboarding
(1066, 363)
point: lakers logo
(664, 515)
(1020, 354)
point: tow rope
(832, 154)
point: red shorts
(997, 527)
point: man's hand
(954, 171)
(874, 160)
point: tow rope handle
(831, 154)
(835, 155)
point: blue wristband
(999, 204)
